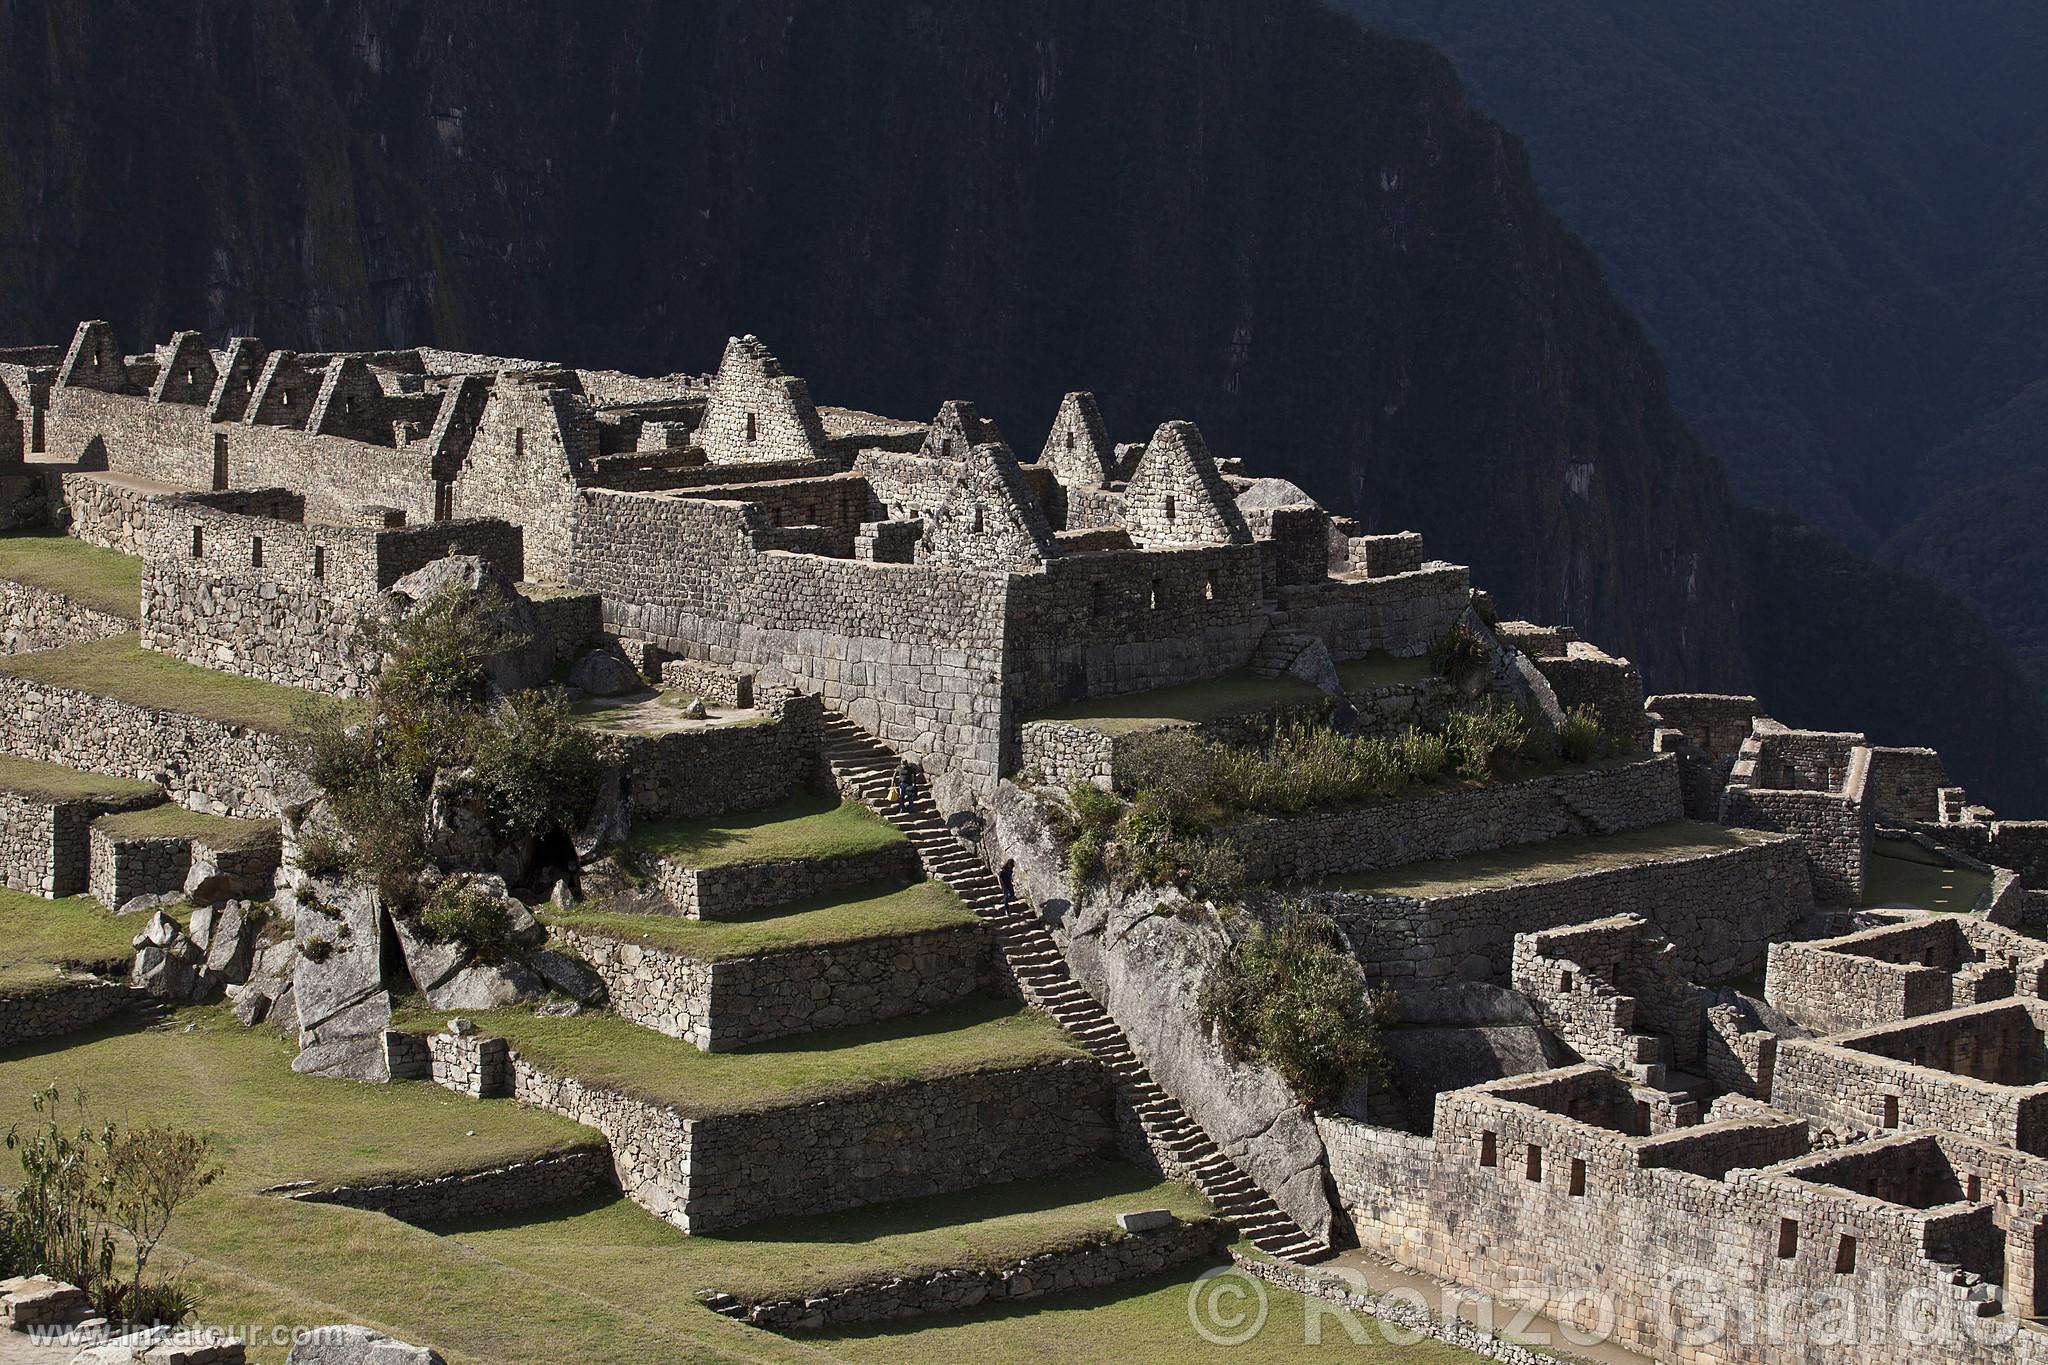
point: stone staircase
(1277, 650)
(866, 769)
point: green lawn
(616, 1244)
(101, 579)
(598, 1285)
(167, 821)
(38, 935)
(807, 827)
(1903, 873)
(980, 1034)
(55, 782)
(1232, 694)
(121, 668)
(1380, 669)
(1546, 861)
(920, 908)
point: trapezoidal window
(1098, 601)
(1534, 1167)
(1488, 1153)
(753, 428)
(255, 552)
(1169, 507)
(198, 543)
(1209, 587)
(980, 518)
(1578, 1185)
(1891, 1111)
(1564, 983)
(1845, 1255)
(1788, 1238)
(519, 441)
(284, 397)
(1158, 594)
(319, 562)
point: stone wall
(1882, 975)
(1599, 799)
(895, 1141)
(1720, 910)
(912, 654)
(1095, 1263)
(1975, 1071)
(1903, 784)
(64, 1007)
(511, 1188)
(207, 765)
(1585, 675)
(33, 618)
(728, 1003)
(731, 890)
(108, 512)
(684, 774)
(1637, 1235)
(1835, 829)
(229, 585)
(45, 845)
(123, 868)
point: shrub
(322, 855)
(1423, 756)
(149, 1173)
(60, 1209)
(1459, 654)
(1486, 737)
(1289, 996)
(1580, 738)
(316, 950)
(461, 912)
(534, 765)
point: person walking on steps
(906, 776)
(1006, 879)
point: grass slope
(807, 827)
(104, 580)
(1546, 861)
(920, 908)
(121, 668)
(168, 821)
(1232, 694)
(55, 782)
(981, 1034)
(37, 936)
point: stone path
(867, 768)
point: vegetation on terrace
(809, 827)
(845, 917)
(38, 936)
(120, 668)
(104, 580)
(658, 713)
(1549, 860)
(1179, 792)
(981, 1034)
(169, 821)
(1287, 994)
(1231, 694)
(54, 782)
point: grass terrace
(617, 1244)
(54, 782)
(603, 1284)
(1381, 669)
(876, 913)
(656, 713)
(104, 580)
(175, 822)
(121, 668)
(981, 1034)
(38, 936)
(1232, 694)
(1547, 861)
(809, 827)
(1904, 874)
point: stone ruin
(1687, 1029)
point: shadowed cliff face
(1259, 217)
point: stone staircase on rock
(866, 769)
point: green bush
(322, 855)
(534, 769)
(1580, 739)
(460, 912)
(1486, 738)
(1289, 996)
(1422, 756)
(1459, 654)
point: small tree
(149, 1174)
(59, 1224)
